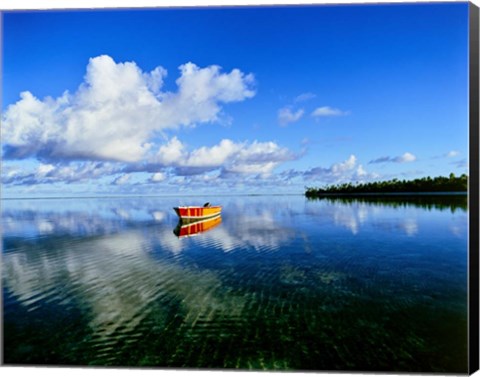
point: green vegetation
(421, 185)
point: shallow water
(281, 282)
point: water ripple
(269, 288)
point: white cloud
(227, 159)
(406, 157)
(346, 171)
(158, 177)
(348, 164)
(361, 172)
(121, 180)
(326, 111)
(286, 116)
(61, 172)
(242, 158)
(44, 169)
(258, 158)
(264, 168)
(214, 156)
(174, 153)
(452, 154)
(171, 153)
(117, 110)
(155, 78)
(304, 97)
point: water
(281, 283)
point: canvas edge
(473, 321)
(473, 193)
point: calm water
(281, 283)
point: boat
(197, 213)
(192, 228)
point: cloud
(345, 171)
(171, 152)
(286, 116)
(239, 158)
(452, 154)
(327, 111)
(463, 163)
(121, 180)
(66, 172)
(381, 160)
(44, 169)
(158, 177)
(227, 159)
(406, 157)
(214, 156)
(117, 110)
(304, 97)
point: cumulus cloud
(286, 115)
(71, 172)
(406, 157)
(117, 110)
(327, 111)
(345, 171)
(171, 152)
(232, 157)
(158, 177)
(228, 159)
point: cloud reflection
(118, 268)
(114, 276)
(359, 216)
(121, 261)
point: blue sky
(244, 100)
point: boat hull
(193, 213)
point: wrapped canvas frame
(474, 192)
(473, 195)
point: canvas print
(279, 188)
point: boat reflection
(188, 228)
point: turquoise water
(282, 283)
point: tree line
(426, 184)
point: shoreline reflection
(440, 202)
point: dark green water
(282, 283)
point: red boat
(195, 212)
